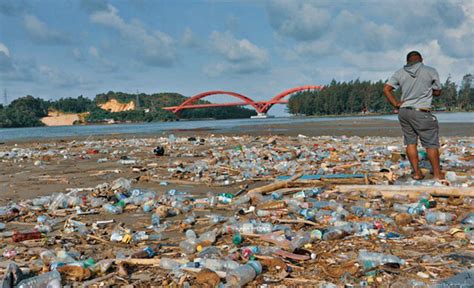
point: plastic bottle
(302, 239)
(97, 202)
(121, 184)
(169, 264)
(59, 201)
(114, 209)
(225, 198)
(361, 211)
(468, 220)
(148, 206)
(147, 252)
(243, 274)
(412, 209)
(188, 246)
(334, 233)
(439, 217)
(50, 280)
(366, 257)
(20, 237)
(257, 228)
(217, 264)
(215, 219)
(241, 200)
(209, 236)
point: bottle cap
(256, 266)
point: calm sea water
(159, 127)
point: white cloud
(59, 78)
(77, 54)
(43, 34)
(188, 38)
(299, 19)
(153, 48)
(240, 55)
(94, 52)
(4, 49)
(367, 39)
(102, 63)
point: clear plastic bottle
(439, 217)
(209, 236)
(217, 264)
(413, 209)
(188, 246)
(113, 209)
(361, 211)
(468, 220)
(169, 264)
(257, 228)
(304, 238)
(243, 274)
(378, 258)
(215, 219)
(50, 280)
(241, 200)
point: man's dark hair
(413, 53)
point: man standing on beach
(418, 84)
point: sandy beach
(203, 163)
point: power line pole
(5, 97)
(137, 101)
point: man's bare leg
(412, 153)
(433, 157)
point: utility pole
(137, 101)
(5, 97)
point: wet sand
(362, 128)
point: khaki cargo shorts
(419, 124)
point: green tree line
(27, 111)
(365, 96)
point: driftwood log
(388, 191)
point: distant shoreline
(349, 126)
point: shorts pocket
(427, 121)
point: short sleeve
(435, 81)
(394, 81)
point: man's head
(414, 56)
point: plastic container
(48, 280)
(243, 274)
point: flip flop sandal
(417, 178)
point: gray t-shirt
(417, 82)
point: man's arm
(387, 90)
(436, 84)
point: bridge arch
(197, 97)
(285, 93)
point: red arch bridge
(261, 107)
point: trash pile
(317, 211)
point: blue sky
(65, 48)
